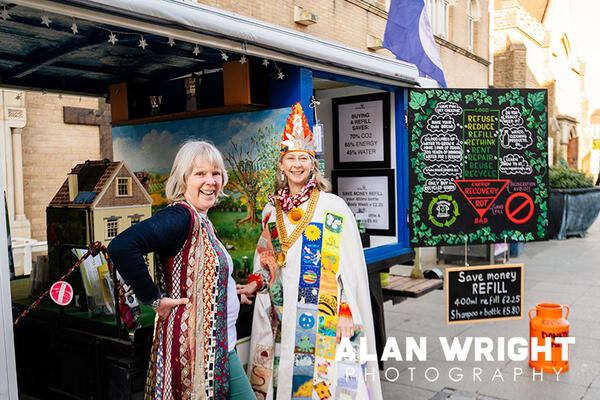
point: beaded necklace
(287, 242)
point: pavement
(558, 271)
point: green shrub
(563, 177)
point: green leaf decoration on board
(536, 100)
(417, 100)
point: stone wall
(50, 149)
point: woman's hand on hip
(246, 291)
(167, 304)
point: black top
(165, 233)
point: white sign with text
(369, 196)
(361, 131)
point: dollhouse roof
(92, 177)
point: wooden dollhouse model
(98, 200)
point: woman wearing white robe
(312, 284)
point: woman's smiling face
(203, 185)
(296, 166)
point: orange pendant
(295, 215)
(281, 258)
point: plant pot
(572, 211)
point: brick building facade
(357, 23)
(534, 48)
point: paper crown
(297, 135)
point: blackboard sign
(475, 294)
(478, 166)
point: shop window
(112, 228)
(439, 15)
(123, 186)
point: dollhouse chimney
(73, 186)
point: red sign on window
(61, 293)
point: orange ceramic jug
(549, 322)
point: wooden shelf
(207, 112)
(410, 287)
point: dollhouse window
(124, 187)
(112, 228)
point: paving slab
(591, 394)
(527, 389)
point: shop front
(173, 70)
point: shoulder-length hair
(192, 152)
(322, 183)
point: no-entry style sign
(520, 210)
(478, 166)
(61, 293)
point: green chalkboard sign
(478, 166)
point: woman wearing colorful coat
(193, 354)
(312, 285)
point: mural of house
(98, 200)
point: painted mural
(250, 146)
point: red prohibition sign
(511, 213)
(61, 293)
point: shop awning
(54, 50)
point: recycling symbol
(443, 210)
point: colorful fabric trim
(289, 202)
(307, 313)
(266, 358)
(173, 360)
(218, 317)
(316, 315)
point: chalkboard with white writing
(478, 166)
(490, 292)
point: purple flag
(408, 35)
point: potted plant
(574, 202)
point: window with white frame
(123, 186)
(439, 15)
(472, 17)
(112, 228)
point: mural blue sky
(152, 147)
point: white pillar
(8, 369)
(20, 226)
(13, 118)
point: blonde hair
(191, 153)
(322, 183)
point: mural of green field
(240, 240)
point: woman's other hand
(345, 328)
(166, 305)
(246, 291)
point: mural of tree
(252, 170)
